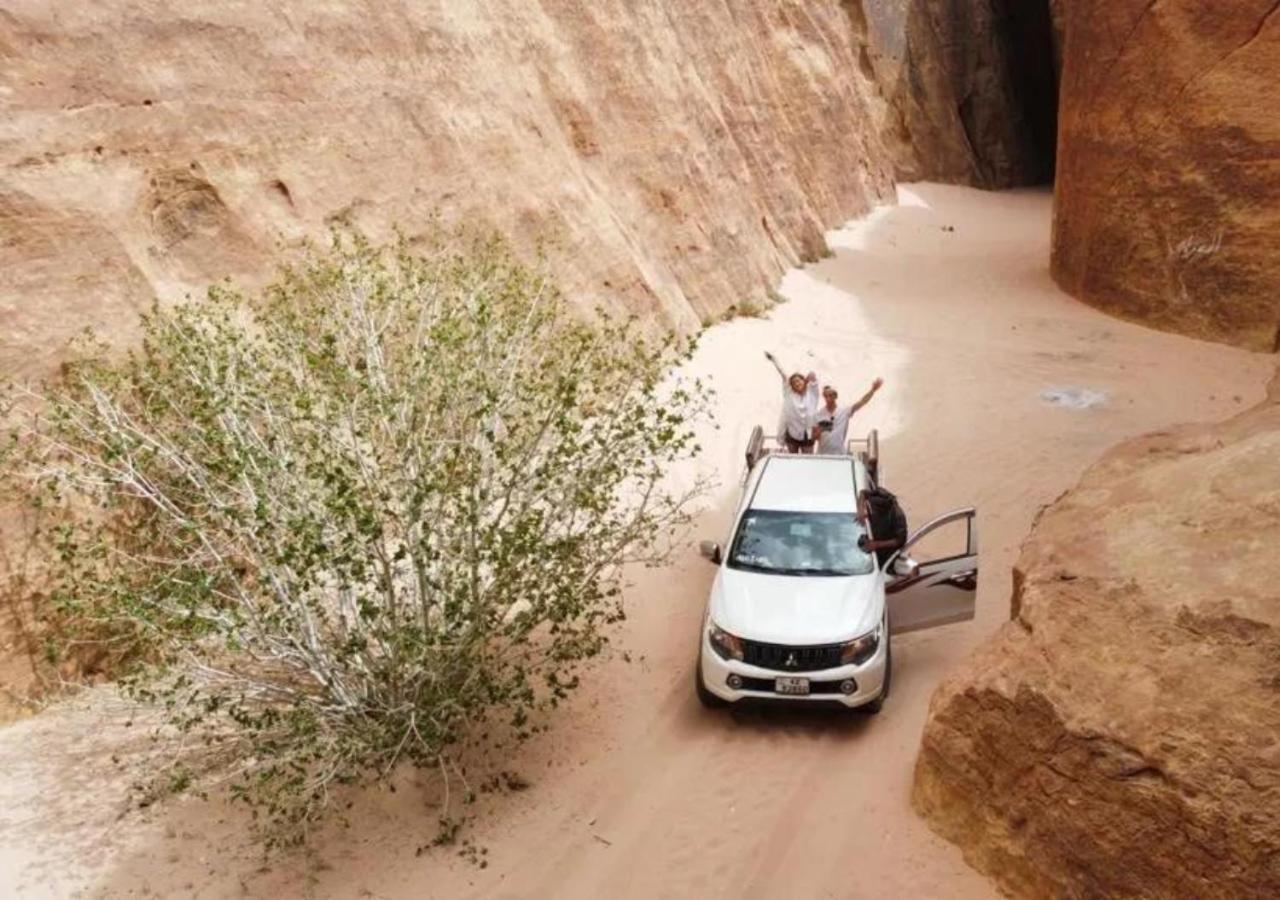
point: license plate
(789, 685)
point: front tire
(705, 697)
(877, 704)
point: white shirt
(797, 411)
(834, 439)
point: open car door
(937, 591)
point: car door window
(943, 588)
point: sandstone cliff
(1119, 736)
(676, 155)
(968, 90)
(1169, 165)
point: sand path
(637, 791)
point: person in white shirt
(799, 403)
(831, 422)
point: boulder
(1118, 737)
(1167, 201)
(671, 158)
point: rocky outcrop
(1119, 736)
(968, 90)
(672, 157)
(1168, 184)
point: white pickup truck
(797, 610)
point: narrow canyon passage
(999, 391)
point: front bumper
(869, 678)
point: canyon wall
(1118, 738)
(673, 158)
(1166, 205)
(968, 90)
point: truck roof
(794, 483)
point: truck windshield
(794, 543)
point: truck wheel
(878, 704)
(705, 697)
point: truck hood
(787, 609)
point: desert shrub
(375, 512)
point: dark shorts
(795, 446)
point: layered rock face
(1169, 165)
(673, 157)
(968, 89)
(1119, 737)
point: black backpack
(888, 521)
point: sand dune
(636, 791)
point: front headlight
(859, 650)
(726, 645)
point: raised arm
(866, 398)
(773, 359)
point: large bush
(356, 520)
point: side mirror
(711, 550)
(905, 567)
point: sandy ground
(999, 391)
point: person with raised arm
(831, 421)
(799, 404)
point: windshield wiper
(782, 570)
(755, 567)
(771, 570)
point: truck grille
(786, 658)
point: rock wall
(1168, 191)
(968, 90)
(674, 156)
(1119, 737)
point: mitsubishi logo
(791, 661)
